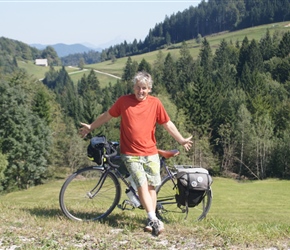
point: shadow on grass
(44, 212)
(114, 220)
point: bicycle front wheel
(81, 199)
(167, 209)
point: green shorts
(143, 168)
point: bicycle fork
(91, 194)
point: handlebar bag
(97, 148)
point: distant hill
(63, 50)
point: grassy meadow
(250, 214)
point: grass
(104, 79)
(252, 214)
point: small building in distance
(41, 62)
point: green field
(250, 214)
(75, 73)
(117, 67)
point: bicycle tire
(75, 201)
(167, 209)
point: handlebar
(100, 149)
(108, 157)
(112, 147)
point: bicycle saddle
(168, 153)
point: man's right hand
(84, 130)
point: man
(139, 114)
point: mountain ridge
(63, 50)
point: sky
(93, 22)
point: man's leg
(146, 170)
(147, 195)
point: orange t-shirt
(138, 123)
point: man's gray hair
(143, 77)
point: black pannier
(192, 183)
(96, 149)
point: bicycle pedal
(120, 206)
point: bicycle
(93, 192)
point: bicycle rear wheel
(167, 209)
(78, 199)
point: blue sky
(92, 22)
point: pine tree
(281, 70)
(266, 46)
(42, 107)
(82, 85)
(184, 70)
(284, 48)
(91, 97)
(157, 74)
(144, 66)
(243, 56)
(255, 58)
(129, 72)
(169, 78)
(198, 102)
(205, 57)
(108, 98)
(223, 78)
(26, 138)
